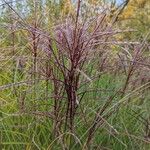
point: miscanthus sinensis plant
(71, 47)
(78, 74)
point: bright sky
(119, 1)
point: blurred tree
(66, 7)
(136, 15)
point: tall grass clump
(75, 85)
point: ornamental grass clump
(74, 83)
(71, 47)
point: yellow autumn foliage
(94, 2)
(133, 7)
(129, 12)
(67, 7)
